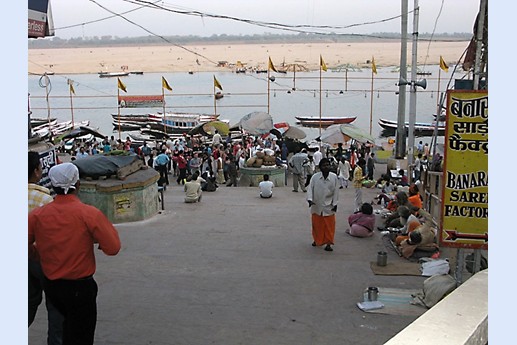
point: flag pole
(268, 87)
(118, 106)
(163, 118)
(438, 90)
(371, 104)
(71, 107)
(215, 103)
(320, 100)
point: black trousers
(182, 176)
(77, 301)
(55, 319)
(162, 169)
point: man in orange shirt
(62, 235)
(39, 196)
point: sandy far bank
(204, 58)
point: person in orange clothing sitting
(414, 196)
(62, 235)
(409, 221)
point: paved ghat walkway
(238, 269)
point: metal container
(373, 293)
(382, 258)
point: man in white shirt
(217, 139)
(323, 197)
(266, 187)
(417, 167)
(317, 158)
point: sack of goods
(250, 161)
(269, 161)
(269, 152)
(258, 162)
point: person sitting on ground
(403, 178)
(266, 187)
(414, 196)
(192, 189)
(409, 223)
(362, 222)
(421, 240)
(388, 190)
(401, 199)
(209, 185)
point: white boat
(112, 74)
(59, 128)
(179, 123)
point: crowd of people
(63, 273)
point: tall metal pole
(412, 94)
(400, 138)
(479, 43)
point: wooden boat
(38, 121)
(45, 124)
(144, 118)
(187, 116)
(127, 125)
(59, 128)
(155, 133)
(137, 72)
(314, 121)
(112, 74)
(172, 123)
(421, 128)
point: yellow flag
(374, 67)
(121, 85)
(443, 65)
(271, 66)
(217, 84)
(323, 65)
(166, 85)
(71, 87)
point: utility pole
(479, 43)
(412, 94)
(400, 139)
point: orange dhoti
(323, 229)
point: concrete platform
(238, 269)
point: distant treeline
(96, 41)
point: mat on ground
(397, 269)
(396, 301)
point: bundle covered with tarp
(106, 166)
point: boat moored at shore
(315, 121)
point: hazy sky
(455, 16)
